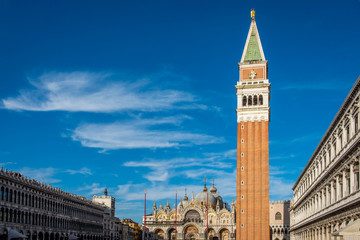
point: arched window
(6, 194)
(261, 100)
(15, 196)
(244, 101)
(278, 216)
(255, 100)
(2, 193)
(250, 101)
(10, 195)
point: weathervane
(252, 14)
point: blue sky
(140, 94)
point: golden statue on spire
(252, 14)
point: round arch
(211, 234)
(160, 233)
(191, 232)
(171, 234)
(224, 234)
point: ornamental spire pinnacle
(253, 49)
(252, 14)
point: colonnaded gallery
(326, 202)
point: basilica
(192, 219)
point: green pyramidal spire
(253, 50)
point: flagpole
(144, 217)
(175, 213)
(207, 211)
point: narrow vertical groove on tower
(253, 115)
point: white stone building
(326, 202)
(113, 228)
(42, 212)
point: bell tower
(253, 116)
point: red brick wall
(255, 175)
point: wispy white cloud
(139, 134)
(83, 171)
(164, 169)
(3, 164)
(92, 189)
(96, 92)
(45, 175)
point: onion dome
(213, 189)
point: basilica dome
(205, 196)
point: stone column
(337, 188)
(328, 196)
(352, 178)
(352, 126)
(344, 183)
(313, 204)
(332, 192)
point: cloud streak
(163, 170)
(144, 133)
(82, 171)
(96, 92)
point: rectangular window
(347, 133)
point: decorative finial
(105, 192)
(252, 14)
(205, 188)
(185, 191)
(213, 180)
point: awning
(12, 233)
(73, 237)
